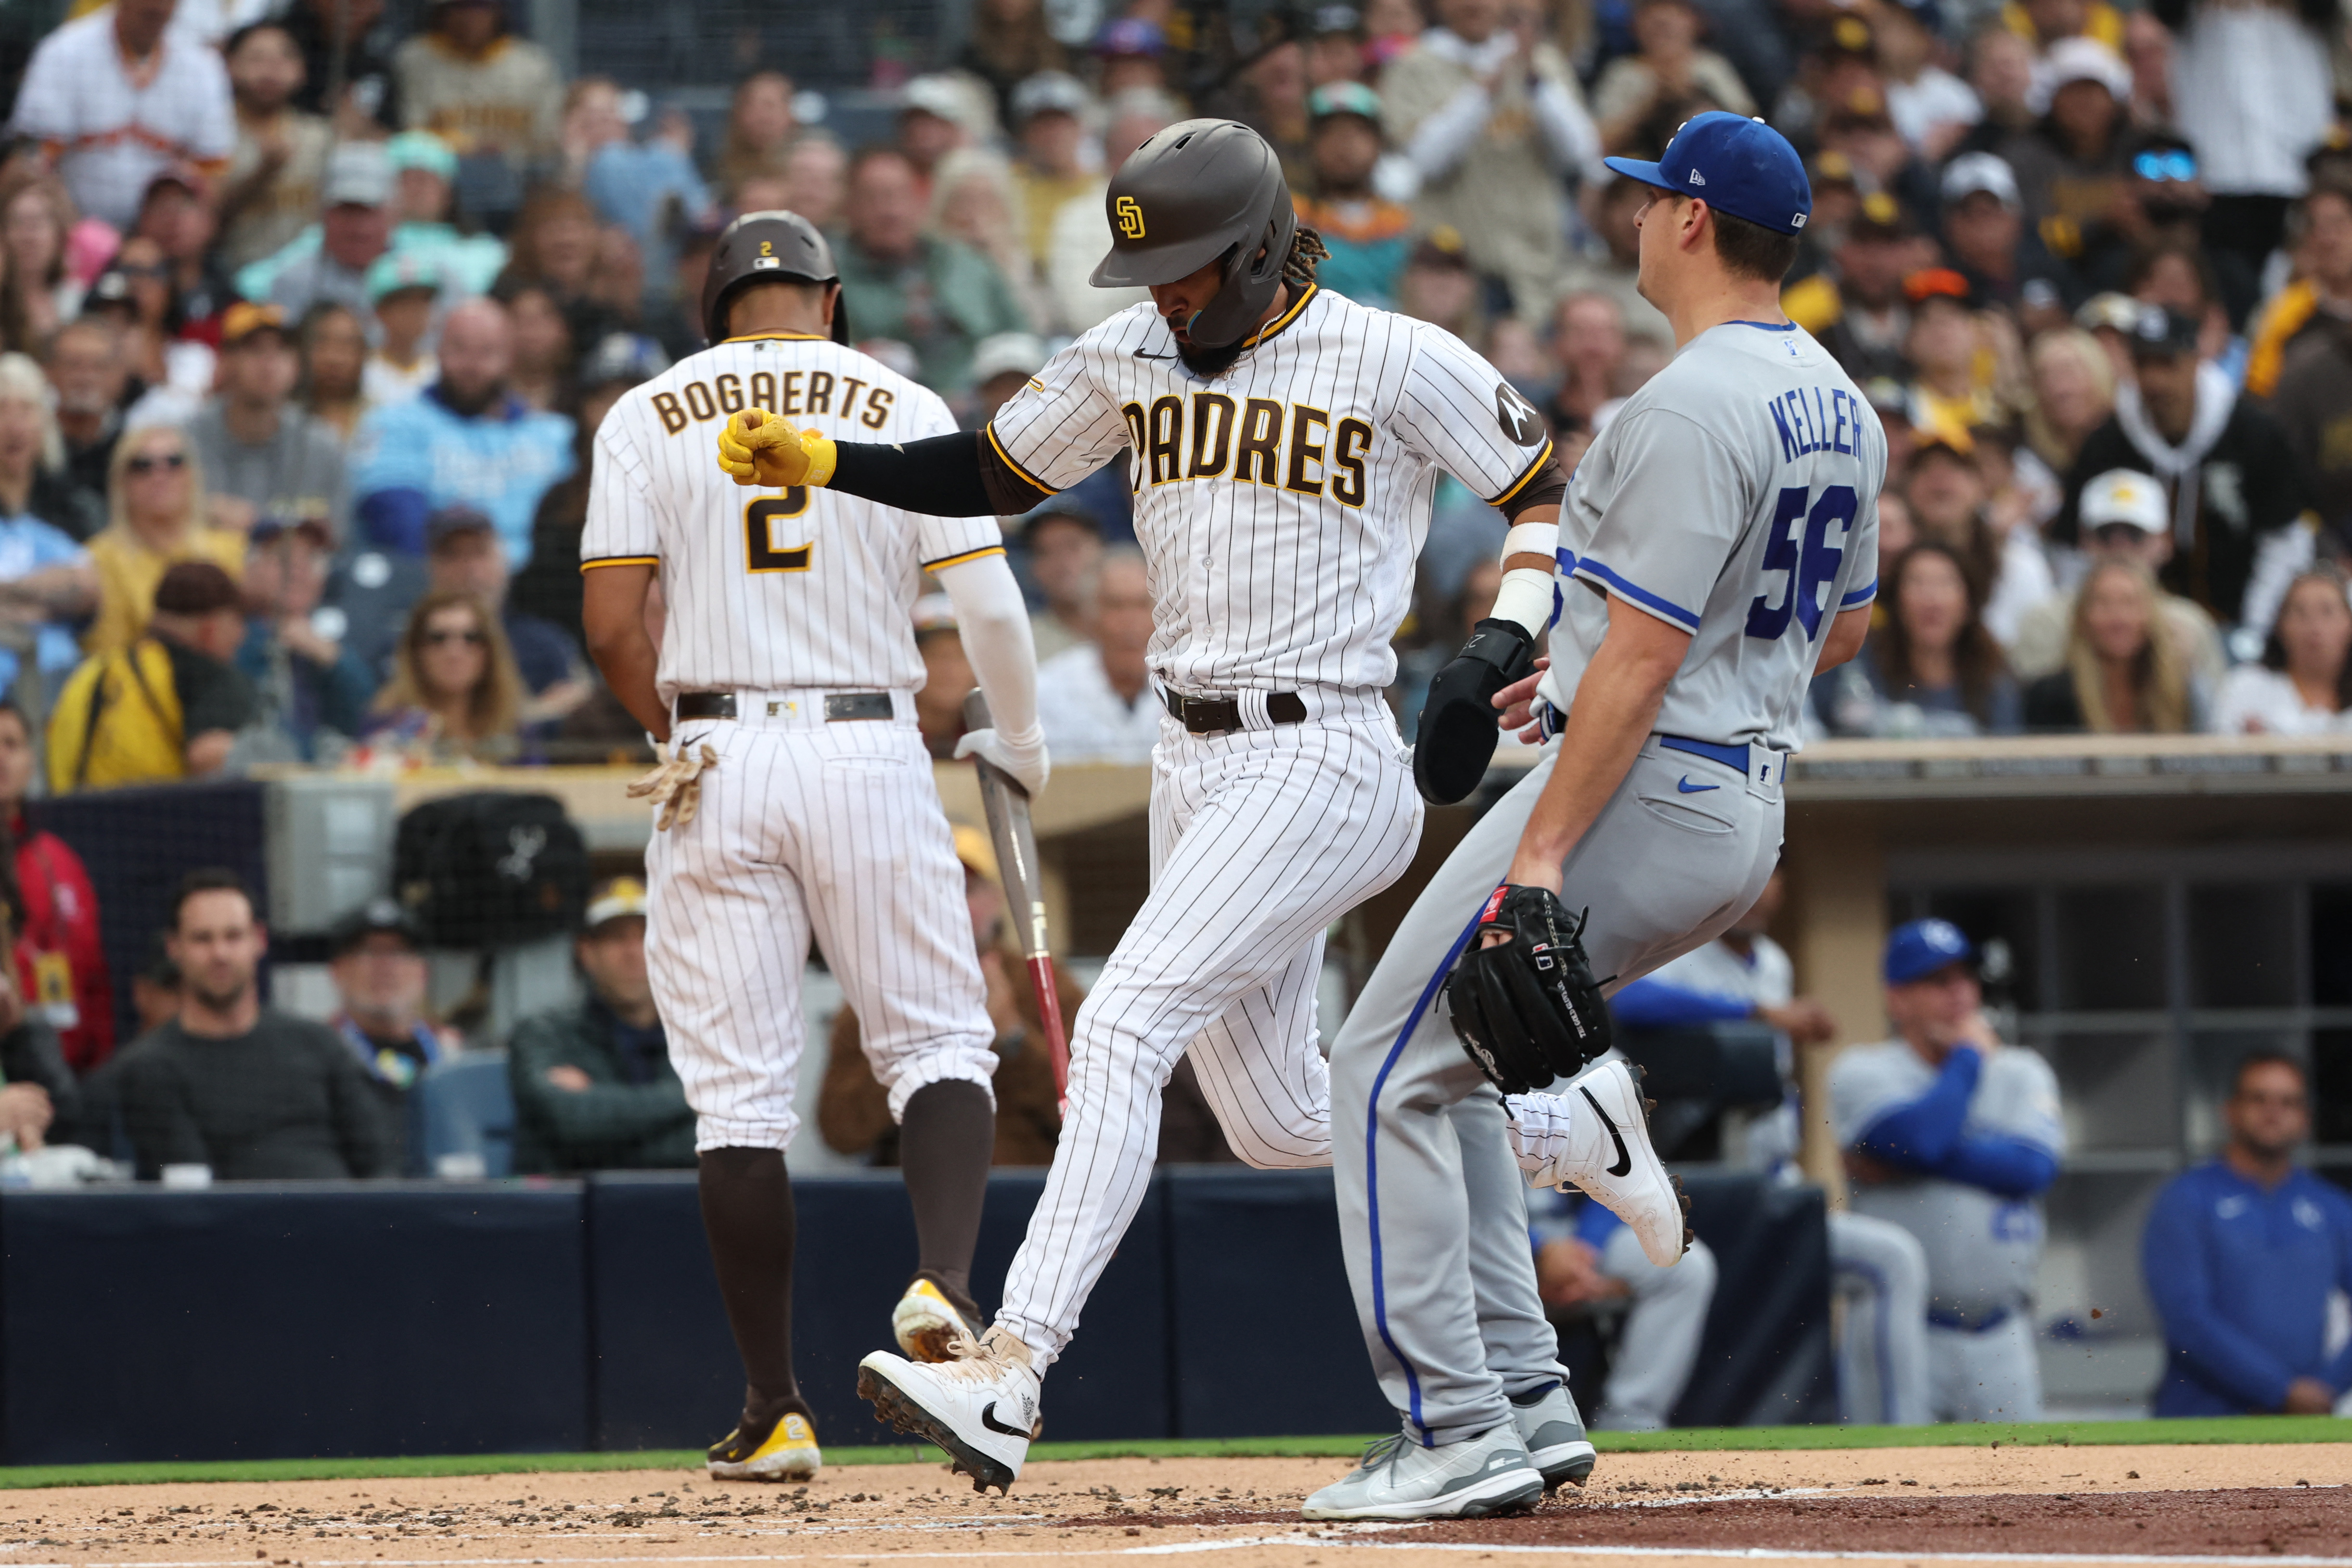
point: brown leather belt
(1215, 715)
(838, 706)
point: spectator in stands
(548, 591)
(541, 374)
(484, 92)
(1491, 117)
(424, 171)
(252, 1093)
(168, 704)
(1932, 108)
(2003, 264)
(332, 391)
(854, 1109)
(1944, 484)
(556, 249)
(2252, 89)
(1587, 1259)
(1611, 266)
(1369, 235)
(156, 989)
(1669, 78)
(272, 185)
(643, 186)
(2123, 518)
(760, 128)
(2123, 675)
(133, 296)
(1855, 307)
(1955, 1137)
(466, 439)
(2073, 394)
(938, 297)
(1063, 546)
(38, 1091)
(1439, 287)
(1082, 227)
(976, 203)
(375, 954)
(155, 495)
(2242, 1255)
(59, 959)
(2226, 464)
(593, 1087)
(2071, 164)
(38, 293)
(405, 292)
(1051, 169)
(89, 375)
(2319, 301)
(453, 690)
(353, 231)
(359, 32)
(465, 555)
(815, 183)
(274, 180)
(260, 455)
(310, 687)
(1951, 390)
(2304, 684)
(942, 113)
(176, 212)
(115, 95)
(47, 582)
(1587, 343)
(1930, 668)
(1007, 43)
(1095, 698)
(1876, 1267)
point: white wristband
(1525, 597)
(1532, 539)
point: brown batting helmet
(759, 248)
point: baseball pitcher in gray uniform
(1955, 1137)
(1717, 547)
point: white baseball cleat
(981, 1408)
(1553, 1430)
(1399, 1478)
(1595, 1135)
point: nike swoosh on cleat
(1624, 1161)
(988, 1419)
(1687, 787)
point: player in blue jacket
(2241, 1256)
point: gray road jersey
(1982, 1248)
(1735, 497)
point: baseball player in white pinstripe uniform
(1285, 442)
(794, 797)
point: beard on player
(1306, 249)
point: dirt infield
(2283, 1503)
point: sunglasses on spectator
(145, 464)
(2175, 165)
(471, 637)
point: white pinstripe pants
(834, 830)
(1260, 838)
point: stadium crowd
(303, 340)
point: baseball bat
(1009, 828)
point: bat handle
(1049, 1010)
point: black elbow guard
(1459, 724)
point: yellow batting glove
(758, 449)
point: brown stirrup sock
(747, 1212)
(946, 1137)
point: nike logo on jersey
(1140, 355)
(988, 1415)
(1687, 787)
(1624, 1161)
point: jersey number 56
(1809, 567)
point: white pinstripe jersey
(769, 589)
(1280, 505)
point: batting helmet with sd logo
(1199, 191)
(762, 247)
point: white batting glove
(675, 785)
(1022, 756)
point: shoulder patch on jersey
(1517, 415)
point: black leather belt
(1215, 715)
(838, 705)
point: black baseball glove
(1528, 1010)
(1459, 723)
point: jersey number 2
(1809, 565)
(759, 551)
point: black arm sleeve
(943, 476)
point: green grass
(2236, 1429)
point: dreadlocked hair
(1306, 249)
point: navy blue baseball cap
(1919, 949)
(1734, 164)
